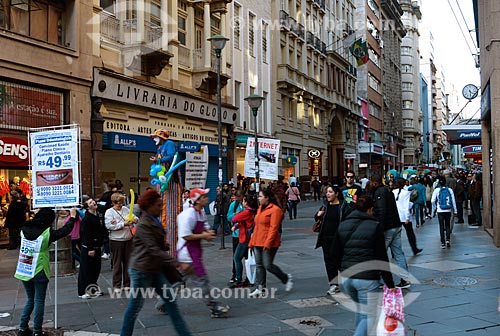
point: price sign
(55, 171)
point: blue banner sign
(469, 135)
(188, 146)
(129, 142)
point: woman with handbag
(266, 239)
(152, 266)
(293, 195)
(329, 216)
(120, 240)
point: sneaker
(85, 297)
(404, 284)
(256, 293)
(289, 283)
(232, 280)
(40, 333)
(417, 252)
(443, 246)
(25, 332)
(105, 256)
(448, 243)
(219, 310)
(334, 289)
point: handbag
(317, 226)
(251, 267)
(391, 318)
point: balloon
(154, 169)
(162, 179)
(155, 181)
(163, 169)
(130, 216)
(160, 173)
(171, 170)
(163, 187)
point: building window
(181, 26)
(409, 141)
(373, 82)
(182, 4)
(264, 42)
(264, 112)
(375, 110)
(408, 123)
(374, 57)
(155, 10)
(406, 68)
(108, 6)
(407, 104)
(251, 34)
(405, 50)
(236, 29)
(407, 86)
(374, 7)
(237, 95)
(44, 20)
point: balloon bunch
(161, 175)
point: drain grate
(456, 281)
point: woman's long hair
(269, 194)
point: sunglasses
(350, 176)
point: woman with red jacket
(244, 222)
(266, 239)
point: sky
(450, 47)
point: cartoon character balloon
(161, 176)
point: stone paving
(456, 294)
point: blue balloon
(154, 169)
(155, 181)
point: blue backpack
(444, 198)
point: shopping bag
(391, 318)
(251, 267)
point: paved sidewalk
(458, 291)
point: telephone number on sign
(55, 190)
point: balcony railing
(184, 56)
(199, 60)
(284, 19)
(110, 27)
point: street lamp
(218, 43)
(254, 101)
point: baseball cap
(196, 193)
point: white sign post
(55, 165)
(269, 153)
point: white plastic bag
(251, 266)
(391, 317)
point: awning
(464, 135)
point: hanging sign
(197, 169)
(269, 150)
(54, 159)
(13, 152)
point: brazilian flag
(360, 51)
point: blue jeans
(264, 261)
(393, 240)
(292, 209)
(363, 292)
(35, 291)
(240, 252)
(419, 213)
(140, 282)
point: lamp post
(254, 101)
(218, 43)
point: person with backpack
(444, 199)
(243, 222)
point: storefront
(290, 163)
(132, 110)
(371, 159)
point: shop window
(50, 21)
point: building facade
(315, 107)
(45, 79)
(367, 20)
(393, 32)
(411, 94)
(154, 68)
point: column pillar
(223, 31)
(139, 38)
(207, 50)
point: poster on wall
(55, 170)
(269, 150)
(197, 169)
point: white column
(140, 21)
(207, 50)
(165, 24)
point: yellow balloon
(130, 216)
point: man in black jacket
(386, 212)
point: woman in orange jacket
(266, 239)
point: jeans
(35, 291)
(444, 225)
(225, 225)
(264, 260)
(236, 242)
(393, 240)
(292, 209)
(419, 213)
(240, 252)
(140, 283)
(363, 292)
